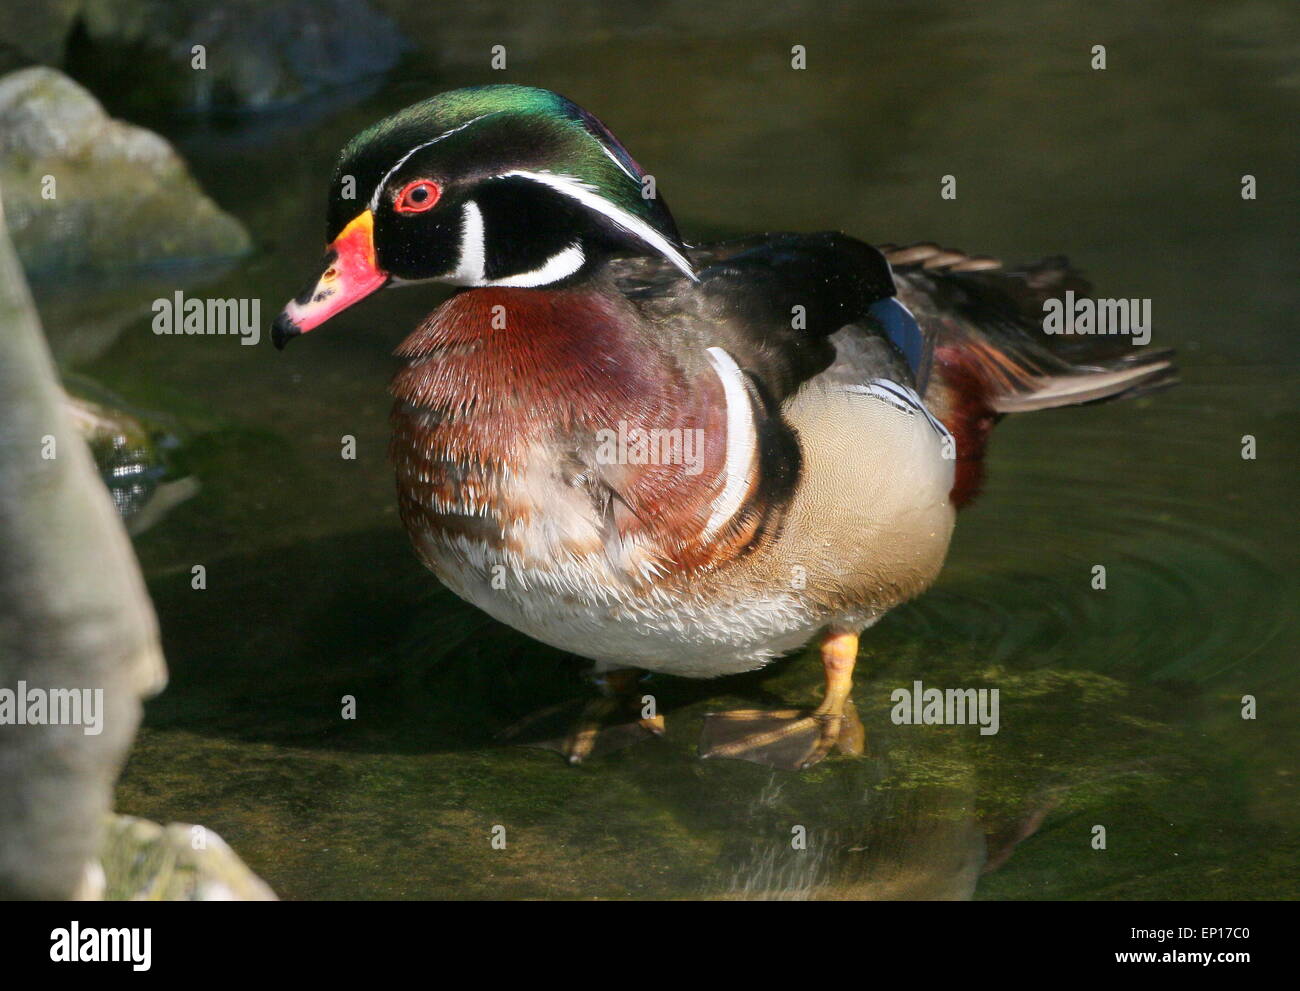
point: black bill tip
(282, 330)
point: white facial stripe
(559, 266)
(374, 197)
(742, 440)
(625, 170)
(470, 270)
(590, 198)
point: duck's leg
(614, 720)
(794, 738)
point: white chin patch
(471, 268)
(559, 266)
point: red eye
(417, 196)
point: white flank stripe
(901, 398)
(742, 440)
(559, 266)
(473, 248)
(589, 197)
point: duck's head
(488, 186)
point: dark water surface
(1119, 708)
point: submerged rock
(143, 861)
(84, 193)
(256, 54)
(132, 461)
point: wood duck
(687, 460)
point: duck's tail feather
(989, 355)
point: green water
(1119, 708)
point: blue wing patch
(902, 330)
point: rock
(132, 461)
(84, 193)
(258, 54)
(143, 861)
(82, 326)
(74, 616)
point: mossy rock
(84, 193)
(143, 861)
(255, 54)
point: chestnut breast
(502, 409)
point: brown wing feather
(991, 356)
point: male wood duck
(687, 460)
